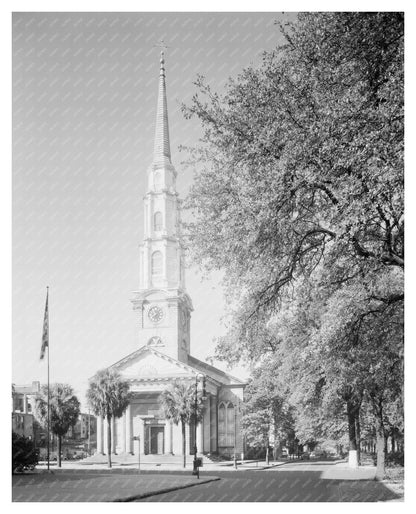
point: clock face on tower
(155, 314)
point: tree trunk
(380, 470)
(109, 442)
(184, 444)
(59, 451)
(352, 435)
(393, 443)
(267, 455)
(358, 436)
(381, 437)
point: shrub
(24, 454)
(395, 459)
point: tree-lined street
(296, 202)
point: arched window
(226, 424)
(157, 264)
(230, 424)
(221, 425)
(157, 221)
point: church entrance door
(157, 436)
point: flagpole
(45, 343)
(47, 294)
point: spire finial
(162, 63)
(162, 145)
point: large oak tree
(299, 178)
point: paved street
(293, 482)
(285, 482)
(81, 486)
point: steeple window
(157, 221)
(157, 264)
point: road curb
(163, 491)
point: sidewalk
(159, 467)
(207, 466)
(113, 486)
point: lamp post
(197, 462)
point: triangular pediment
(147, 363)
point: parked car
(304, 456)
(284, 453)
(43, 455)
(79, 454)
(318, 454)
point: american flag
(45, 335)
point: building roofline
(213, 369)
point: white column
(113, 435)
(123, 433)
(168, 437)
(105, 430)
(99, 434)
(128, 429)
(187, 439)
(199, 437)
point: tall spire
(162, 145)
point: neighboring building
(163, 310)
(23, 407)
(84, 427)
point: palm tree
(63, 410)
(108, 396)
(178, 404)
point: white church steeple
(162, 277)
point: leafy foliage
(64, 408)
(303, 158)
(299, 199)
(108, 395)
(24, 454)
(178, 404)
(267, 415)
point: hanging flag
(45, 335)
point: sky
(84, 101)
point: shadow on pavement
(282, 486)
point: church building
(164, 309)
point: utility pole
(195, 470)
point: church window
(230, 425)
(157, 221)
(157, 263)
(226, 424)
(221, 425)
(155, 341)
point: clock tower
(163, 306)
